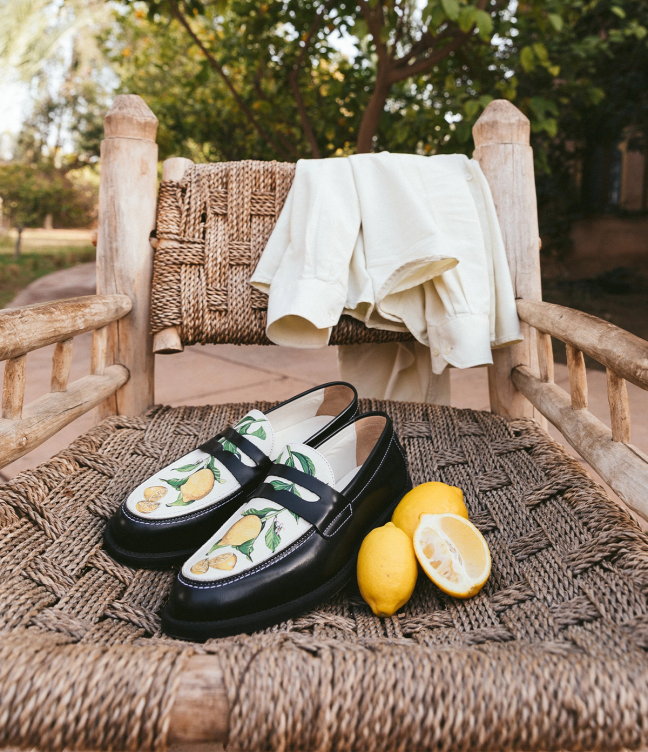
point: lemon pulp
(453, 554)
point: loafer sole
(140, 559)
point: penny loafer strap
(242, 472)
(327, 514)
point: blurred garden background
(291, 79)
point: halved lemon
(453, 554)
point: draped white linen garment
(401, 242)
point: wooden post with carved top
(502, 149)
(127, 207)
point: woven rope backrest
(212, 228)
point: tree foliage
(30, 192)
(288, 79)
(54, 46)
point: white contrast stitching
(348, 506)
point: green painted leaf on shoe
(272, 537)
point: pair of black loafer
(268, 515)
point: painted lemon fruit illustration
(223, 561)
(151, 500)
(154, 493)
(198, 485)
(428, 498)
(242, 531)
(387, 569)
(200, 567)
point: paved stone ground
(226, 373)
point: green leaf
(528, 59)
(229, 447)
(246, 419)
(550, 125)
(215, 471)
(429, 9)
(471, 108)
(305, 462)
(360, 29)
(451, 8)
(618, 11)
(246, 548)
(176, 482)
(484, 23)
(261, 513)
(281, 485)
(259, 433)
(541, 53)
(295, 515)
(462, 130)
(187, 468)
(179, 502)
(272, 537)
(556, 21)
(437, 17)
(467, 18)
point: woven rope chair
(551, 655)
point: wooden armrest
(31, 327)
(623, 466)
(625, 353)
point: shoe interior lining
(336, 398)
(300, 419)
(298, 433)
(348, 450)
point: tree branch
(375, 22)
(218, 68)
(293, 78)
(424, 64)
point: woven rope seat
(549, 656)
(212, 227)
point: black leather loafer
(295, 541)
(168, 516)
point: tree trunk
(371, 116)
(18, 239)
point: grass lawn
(36, 260)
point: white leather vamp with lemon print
(260, 528)
(198, 479)
(166, 517)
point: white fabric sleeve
(305, 266)
(504, 322)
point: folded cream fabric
(395, 371)
(399, 241)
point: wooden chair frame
(122, 362)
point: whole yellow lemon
(428, 498)
(387, 569)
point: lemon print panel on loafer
(294, 541)
(165, 518)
